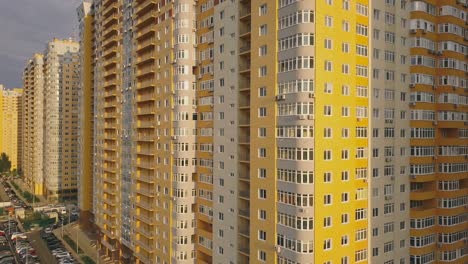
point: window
(262, 256)
(263, 30)
(328, 43)
(327, 221)
(345, 47)
(262, 214)
(262, 51)
(328, 65)
(262, 152)
(262, 91)
(262, 71)
(327, 132)
(262, 194)
(345, 197)
(262, 112)
(327, 244)
(327, 177)
(327, 110)
(327, 155)
(262, 132)
(262, 173)
(328, 21)
(263, 10)
(262, 235)
(327, 199)
(345, 218)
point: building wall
(389, 133)
(108, 122)
(438, 96)
(86, 114)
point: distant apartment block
(51, 102)
(11, 125)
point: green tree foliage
(5, 163)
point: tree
(5, 163)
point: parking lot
(20, 249)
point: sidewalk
(86, 241)
(23, 187)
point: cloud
(25, 28)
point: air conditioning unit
(174, 137)
(413, 31)
(388, 159)
(439, 53)
(392, 178)
(454, 87)
(311, 95)
(413, 176)
(358, 119)
(434, 157)
(388, 197)
(302, 117)
(412, 104)
(280, 97)
(310, 117)
(434, 123)
(364, 181)
(388, 121)
(424, 31)
(412, 85)
(433, 87)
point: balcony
(145, 245)
(148, 138)
(145, 58)
(143, 5)
(145, 152)
(146, 43)
(142, 258)
(145, 205)
(146, 111)
(146, 191)
(147, 179)
(146, 164)
(145, 31)
(111, 7)
(146, 84)
(244, 195)
(422, 195)
(146, 124)
(110, 201)
(147, 219)
(146, 232)
(109, 223)
(245, 50)
(145, 71)
(244, 213)
(146, 17)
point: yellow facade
(11, 125)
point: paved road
(41, 248)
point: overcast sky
(26, 26)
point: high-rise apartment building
(61, 120)
(439, 132)
(11, 125)
(267, 131)
(51, 121)
(33, 123)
